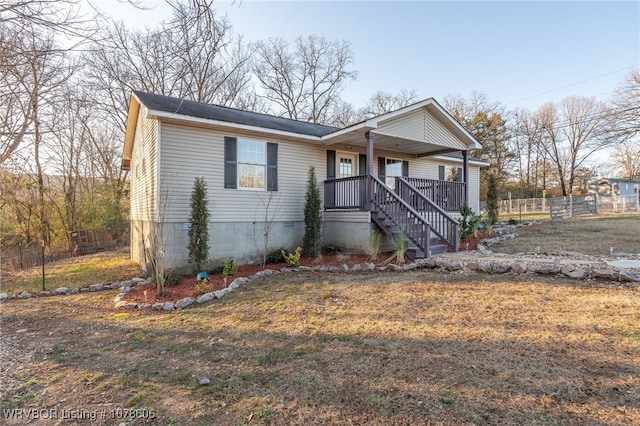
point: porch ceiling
(392, 143)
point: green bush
(276, 256)
(375, 241)
(293, 258)
(229, 269)
(312, 216)
(468, 223)
(198, 229)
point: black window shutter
(230, 162)
(382, 168)
(331, 164)
(272, 166)
(441, 172)
(362, 164)
(405, 169)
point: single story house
(611, 187)
(408, 170)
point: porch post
(369, 137)
(465, 175)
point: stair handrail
(418, 233)
(437, 226)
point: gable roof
(424, 138)
(230, 115)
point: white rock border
(515, 266)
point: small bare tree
(269, 211)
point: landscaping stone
(42, 294)
(485, 267)
(369, 266)
(139, 281)
(627, 277)
(4, 296)
(546, 269)
(157, 306)
(204, 381)
(144, 305)
(453, 266)
(220, 293)
(473, 266)
(334, 269)
(168, 306)
(207, 297)
(409, 266)
(500, 268)
(607, 274)
(428, 263)
(84, 289)
(74, 291)
(575, 273)
(264, 273)
(62, 290)
(304, 268)
(483, 250)
(381, 268)
(345, 268)
(519, 268)
(125, 289)
(126, 283)
(96, 287)
(356, 268)
(187, 301)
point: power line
(571, 84)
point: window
(389, 168)
(252, 164)
(441, 172)
(393, 169)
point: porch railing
(399, 213)
(442, 224)
(345, 193)
(448, 195)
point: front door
(349, 193)
(347, 164)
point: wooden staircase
(409, 211)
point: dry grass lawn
(593, 235)
(375, 349)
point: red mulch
(186, 287)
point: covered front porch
(392, 169)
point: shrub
(229, 269)
(293, 258)
(203, 286)
(492, 199)
(375, 241)
(275, 256)
(172, 278)
(198, 229)
(312, 216)
(400, 246)
(468, 222)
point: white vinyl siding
(421, 125)
(144, 168)
(189, 152)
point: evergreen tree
(198, 231)
(492, 198)
(312, 216)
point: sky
(521, 54)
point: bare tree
(192, 56)
(625, 110)
(574, 131)
(305, 82)
(626, 160)
(382, 102)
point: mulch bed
(186, 286)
